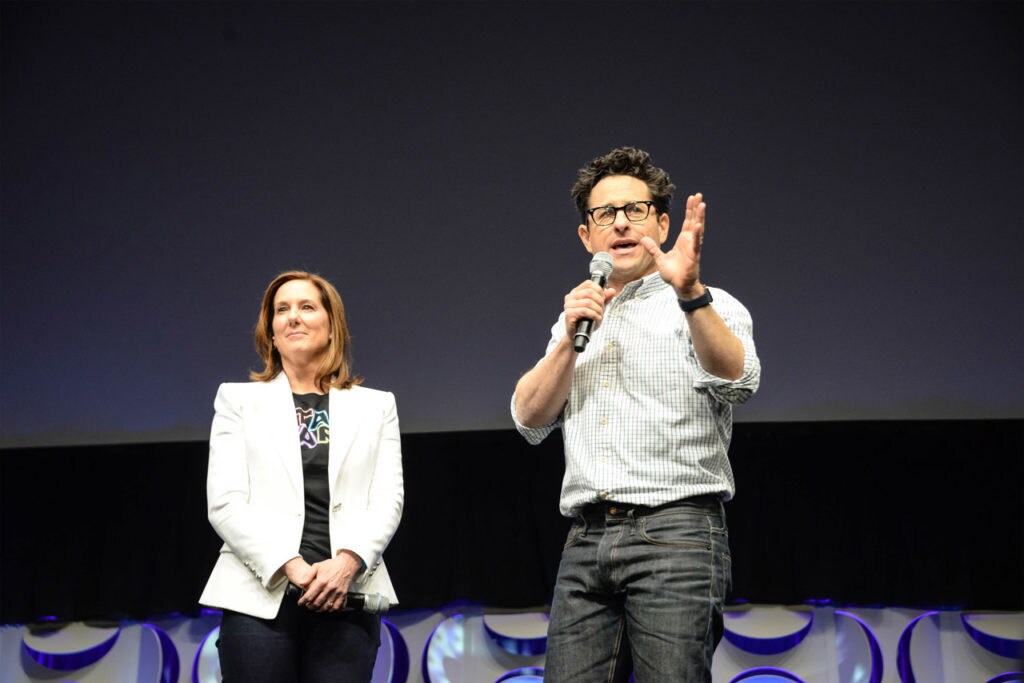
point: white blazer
(256, 498)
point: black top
(313, 417)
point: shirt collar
(644, 287)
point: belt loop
(632, 521)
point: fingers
(329, 587)
(652, 247)
(692, 234)
(298, 571)
(693, 239)
(695, 207)
(586, 301)
(333, 604)
(326, 601)
(696, 211)
(319, 596)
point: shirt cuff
(533, 435)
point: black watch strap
(700, 302)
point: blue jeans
(298, 646)
(640, 590)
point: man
(646, 416)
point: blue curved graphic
(903, 666)
(169, 664)
(526, 674)
(400, 672)
(447, 641)
(773, 645)
(209, 643)
(877, 662)
(518, 646)
(70, 661)
(766, 674)
(1008, 677)
(1005, 647)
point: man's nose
(621, 222)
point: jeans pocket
(675, 528)
(577, 531)
(725, 571)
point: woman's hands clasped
(325, 584)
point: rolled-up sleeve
(534, 435)
(738, 320)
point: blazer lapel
(344, 424)
(286, 430)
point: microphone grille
(377, 604)
(602, 264)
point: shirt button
(606, 384)
(604, 421)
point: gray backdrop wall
(162, 161)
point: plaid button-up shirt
(644, 423)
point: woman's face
(301, 327)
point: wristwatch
(700, 302)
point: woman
(298, 502)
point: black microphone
(371, 604)
(600, 268)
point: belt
(613, 509)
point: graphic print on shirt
(314, 427)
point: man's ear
(664, 223)
(585, 237)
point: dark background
(912, 514)
(863, 164)
(161, 162)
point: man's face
(621, 239)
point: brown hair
(623, 161)
(334, 371)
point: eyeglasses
(634, 211)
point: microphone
(600, 268)
(371, 604)
(374, 603)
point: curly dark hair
(623, 161)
